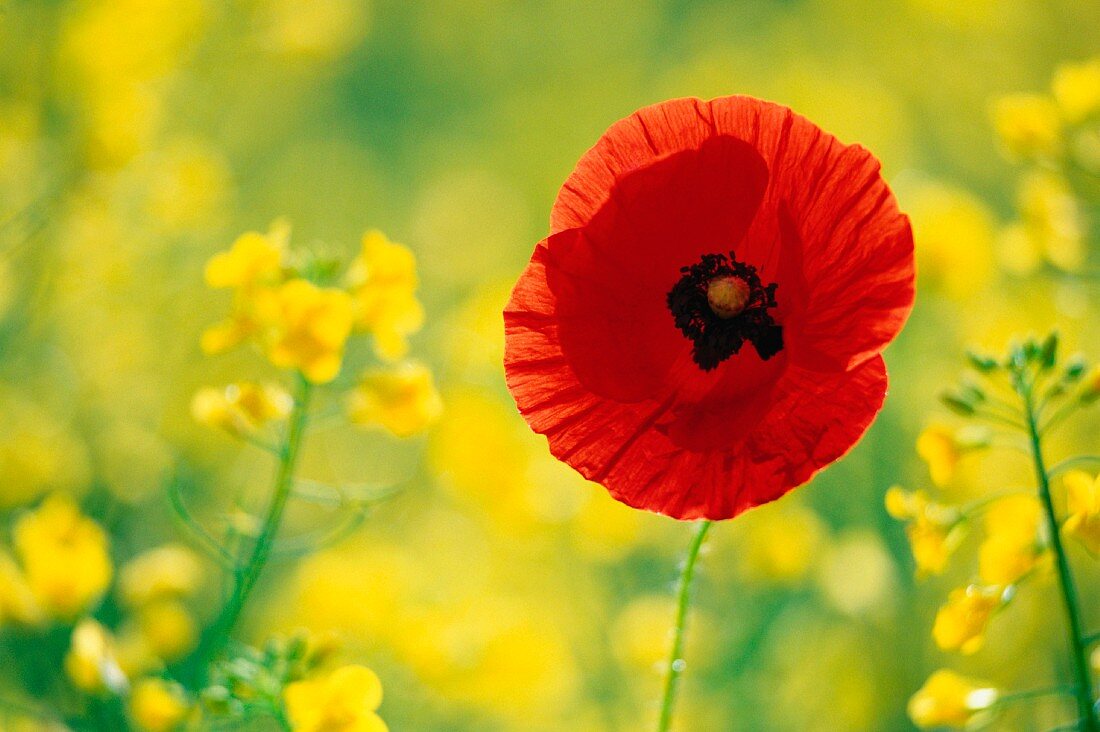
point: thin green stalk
(675, 659)
(1082, 677)
(247, 574)
(1029, 694)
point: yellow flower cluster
(157, 630)
(346, 700)
(305, 327)
(1034, 125)
(297, 323)
(1059, 133)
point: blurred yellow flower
(167, 629)
(1083, 506)
(157, 705)
(167, 571)
(307, 328)
(1028, 125)
(934, 530)
(65, 557)
(90, 662)
(1011, 547)
(187, 184)
(954, 235)
(344, 701)
(780, 542)
(1076, 88)
(950, 700)
(382, 281)
(961, 622)
(936, 445)
(253, 259)
(242, 407)
(402, 399)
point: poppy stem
(1087, 721)
(676, 663)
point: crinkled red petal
(808, 420)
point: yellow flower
(167, 571)
(90, 662)
(941, 447)
(1011, 548)
(936, 446)
(242, 407)
(308, 327)
(65, 557)
(954, 234)
(382, 280)
(950, 700)
(780, 542)
(167, 629)
(157, 705)
(403, 399)
(1076, 88)
(345, 701)
(1083, 505)
(1029, 125)
(960, 623)
(253, 259)
(934, 530)
(252, 265)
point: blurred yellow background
(497, 590)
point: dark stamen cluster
(716, 338)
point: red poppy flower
(700, 333)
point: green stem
(1082, 678)
(1028, 694)
(675, 659)
(247, 574)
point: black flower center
(719, 303)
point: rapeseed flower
(157, 705)
(950, 700)
(1011, 548)
(934, 530)
(1083, 507)
(402, 399)
(961, 622)
(64, 556)
(344, 701)
(382, 281)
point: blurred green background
(498, 590)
